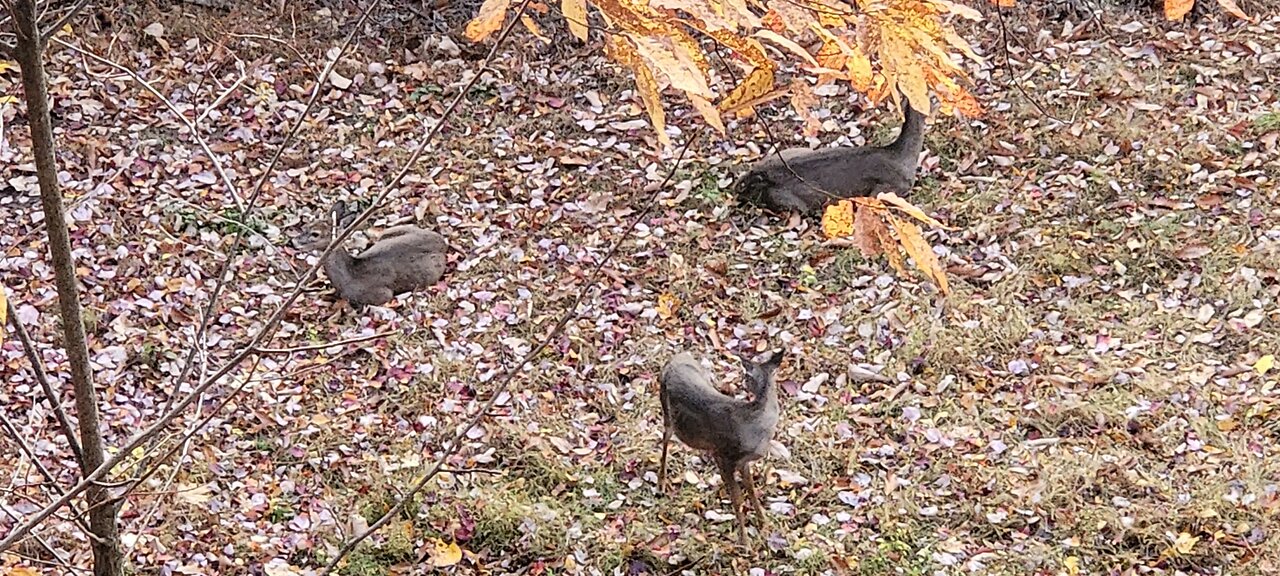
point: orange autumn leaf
(708, 112)
(533, 28)
(879, 47)
(897, 202)
(488, 20)
(891, 251)
(757, 84)
(1176, 9)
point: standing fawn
(404, 259)
(734, 431)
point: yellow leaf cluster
(876, 230)
(837, 219)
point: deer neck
(766, 398)
(911, 138)
(338, 267)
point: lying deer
(806, 180)
(404, 259)
(734, 431)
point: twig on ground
(225, 93)
(178, 114)
(322, 346)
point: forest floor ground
(1094, 397)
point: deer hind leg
(748, 481)
(728, 475)
(666, 438)
(662, 466)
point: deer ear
(774, 360)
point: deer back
(700, 415)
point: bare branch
(47, 547)
(55, 400)
(225, 93)
(227, 272)
(16, 436)
(50, 31)
(268, 329)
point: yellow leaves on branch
(621, 50)
(875, 229)
(874, 45)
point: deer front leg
(728, 475)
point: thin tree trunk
(105, 537)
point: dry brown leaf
(1233, 9)
(868, 228)
(575, 12)
(1193, 252)
(1176, 9)
(910, 209)
(803, 100)
(488, 20)
(918, 248)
